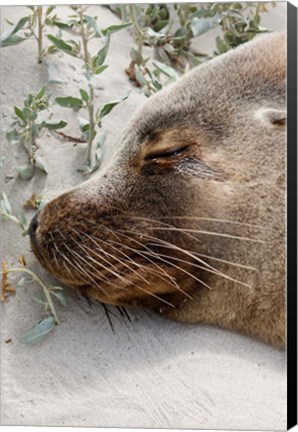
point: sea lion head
(198, 167)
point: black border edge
(292, 217)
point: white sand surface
(150, 372)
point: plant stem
(12, 219)
(39, 37)
(90, 107)
(90, 103)
(39, 281)
(139, 31)
(30, 141)
(84, 39)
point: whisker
(183, 270)
(96, 262)
(83, 271)
(108, 316)
(188, 230)
(139, 253)
(93, 239)
(155, 296)
(227, 262)
(198, 218)
(210, 268)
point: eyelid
(167, 153)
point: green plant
(28, 127)
(42, 329)
(154, 26)
(93, 65)
(32, 25)
(240, 22)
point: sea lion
(189, 217)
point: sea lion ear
(272, 117)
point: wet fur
(198, 236)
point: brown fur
(206, 155)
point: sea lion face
(205, 151)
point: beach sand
(149, 372)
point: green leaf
(136, 57)
(91, 21)
(84, 95)
(100, 69)
(165, 69)
(39, 332)
(107, 108)
(24, 281)
(154, 80)
(140, 77)
(29, 114)
(101, 139)
(41, 92)
(220, 45)
(12, 40)
(53, 124)
(98, 156)
(102, 53)
(50, 9)
(54, 74)
(20, 114)
(6, 203)
(13, 137)
(40, 164)
(58, 23)
(26, 171)
(23, 220)
(60, 297)
(200, 26)
(60, 44)
(84, 124)
(10, 32)
(69, 102)
(115, 28)
(35, 132)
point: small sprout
(28, 127)
(31, 26)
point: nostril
(33, 226)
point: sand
(150, 372)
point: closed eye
(167, 153)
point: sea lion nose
(33, 227)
